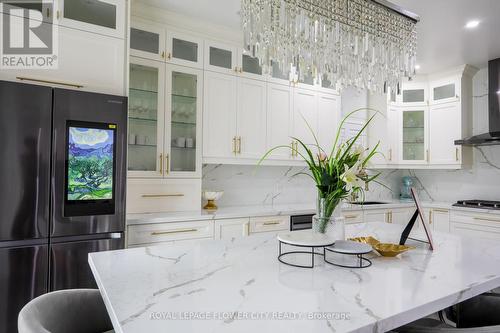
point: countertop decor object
(322, 38)
(349, 250)
(242, 276)
(391, 250)
(303, 239)
(338, 174)
(211, 197)
(367, 240)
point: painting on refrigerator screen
(90, 163)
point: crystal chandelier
(363, 43)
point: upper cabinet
(222, 58)
(431, 114)
(147, 41)
(160, 43)
(105, 17)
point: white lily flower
(359, 150)
(350, 177)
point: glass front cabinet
(164, 120)
(413, 135)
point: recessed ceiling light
(472, 24)
(417, 67)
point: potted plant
(338, 174)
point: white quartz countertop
(239, 285)
(260, 210)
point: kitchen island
(239, 285)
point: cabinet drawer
(163, 195)
(353, 217)
(166, 232)
(476, 225)
(269, 223)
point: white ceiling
(443, 40)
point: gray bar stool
(66, 311)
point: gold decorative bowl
(391, 250)
(367, 240)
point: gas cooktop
(484, 204)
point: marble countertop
(260, 210)
(239, 285)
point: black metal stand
(406, 232)
(312, 253)
(363, 262)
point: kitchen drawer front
(475, 224)
(163, 195)
(353, 217)
(269, 223)
(167, 232)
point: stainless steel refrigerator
(62, 189)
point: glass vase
(326, 213)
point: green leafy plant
(339, 173)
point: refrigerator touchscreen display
(90, 168)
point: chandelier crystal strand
(358, 43)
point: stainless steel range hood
(493, 136)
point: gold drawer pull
(169, 232)
(59, 83)
(484, 219)
(162, 195)
(440, 210)
(272, 223)
(351, 216)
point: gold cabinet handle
(48, 12)
(239, 145)
(241, 70)
(163, 55)
(169, 232)
(430, 217)
(485, 219)
(236, 69)
(58, 14)
(440, 210)
(169, 56)
(59, 83)
(234, 145)
(456, 154)
(247, 227)
(272, 223)
(161, 164)
(390, 154)
(167, 164)
(350, 216)
(427, 155)
(389, 217)
(162, 195)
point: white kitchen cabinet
(251, 119)
(183, 122)
(146, 117)
(413, 135)
(249, 66)
(147, 40)
(305, 117)
(163, 195)
(232, 228)
(354, 216)
(269, 224)
(328, 122)
(414, 94)
(445, 126)
(439, 219)
(279, 120)
(475, 224)
(221, 57)
(401, 215)
(445, 90)
(86, 61)
(184, 49)
(219, 115)
(150, 234)
(106, 17)
(375, 215)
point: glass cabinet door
(99, 16)
(221, 58)
(183, 49)
(414, 134)
(183, 122)
(249, 66)
(146, 118)
(445, 91)
(147, 41)
(414, 94)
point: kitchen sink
(369, 203)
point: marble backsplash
(251, 185)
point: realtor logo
(28, 37)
